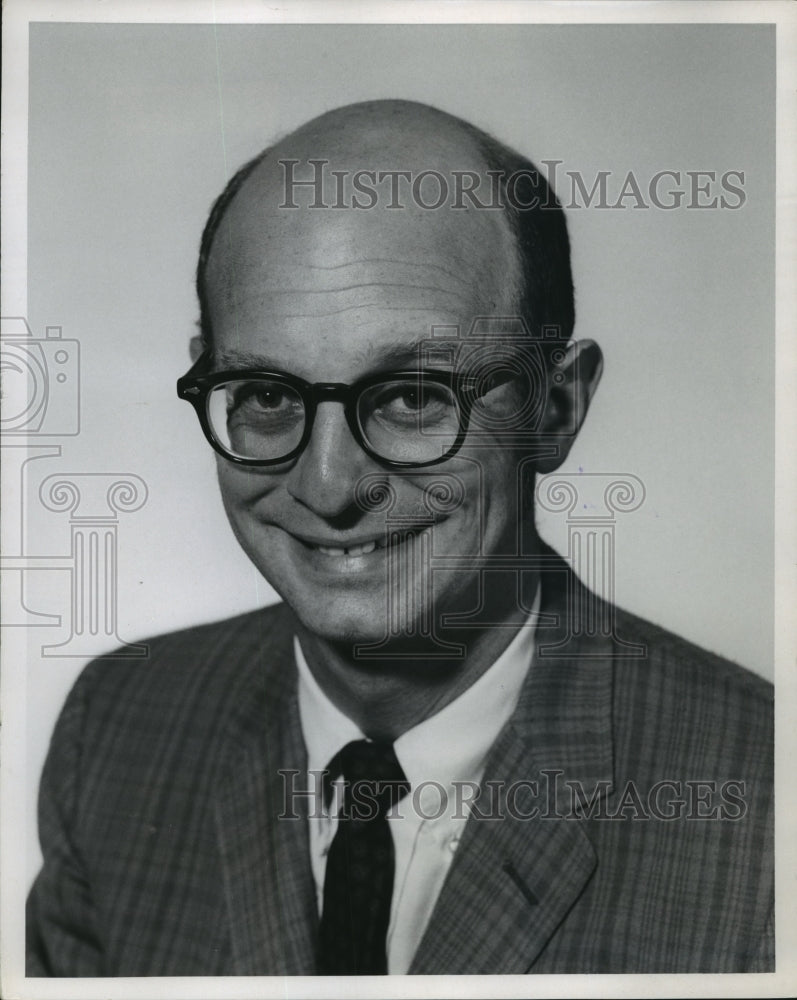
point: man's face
(336, 296)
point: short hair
(540, 230)
(217, 212)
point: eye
(410, 403)
(266, 396)
(262, 406)
(413, 397)
(408, 397)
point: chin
(352, 622)
(346, 632)
(341, 621)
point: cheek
(501, 511)
(489, 473)
(240, 486)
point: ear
(573, 384)
(195, 348)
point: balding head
(394, 178)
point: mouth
(354, 550)
(362, 548)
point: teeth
(361, 550)
(354, 550)
(367, 547)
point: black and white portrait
(391, 553)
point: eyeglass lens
(402, 420)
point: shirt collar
(450, 745)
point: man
(426, 760)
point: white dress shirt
(447, 748)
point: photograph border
(17, 15)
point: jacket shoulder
(695, 705)
(187, 674)
(689, 664)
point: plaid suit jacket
(633, 796)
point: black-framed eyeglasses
(403, 419)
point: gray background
(134, 129)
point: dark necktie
(358, 885)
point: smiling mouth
(355, 550)
(392, 540)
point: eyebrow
(373, 358)
(400, 353)
(242, 359)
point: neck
(402, 684)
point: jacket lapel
(514, 878)
(268, 880)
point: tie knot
(373, 779)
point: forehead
(335, 288)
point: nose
(325, 475)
